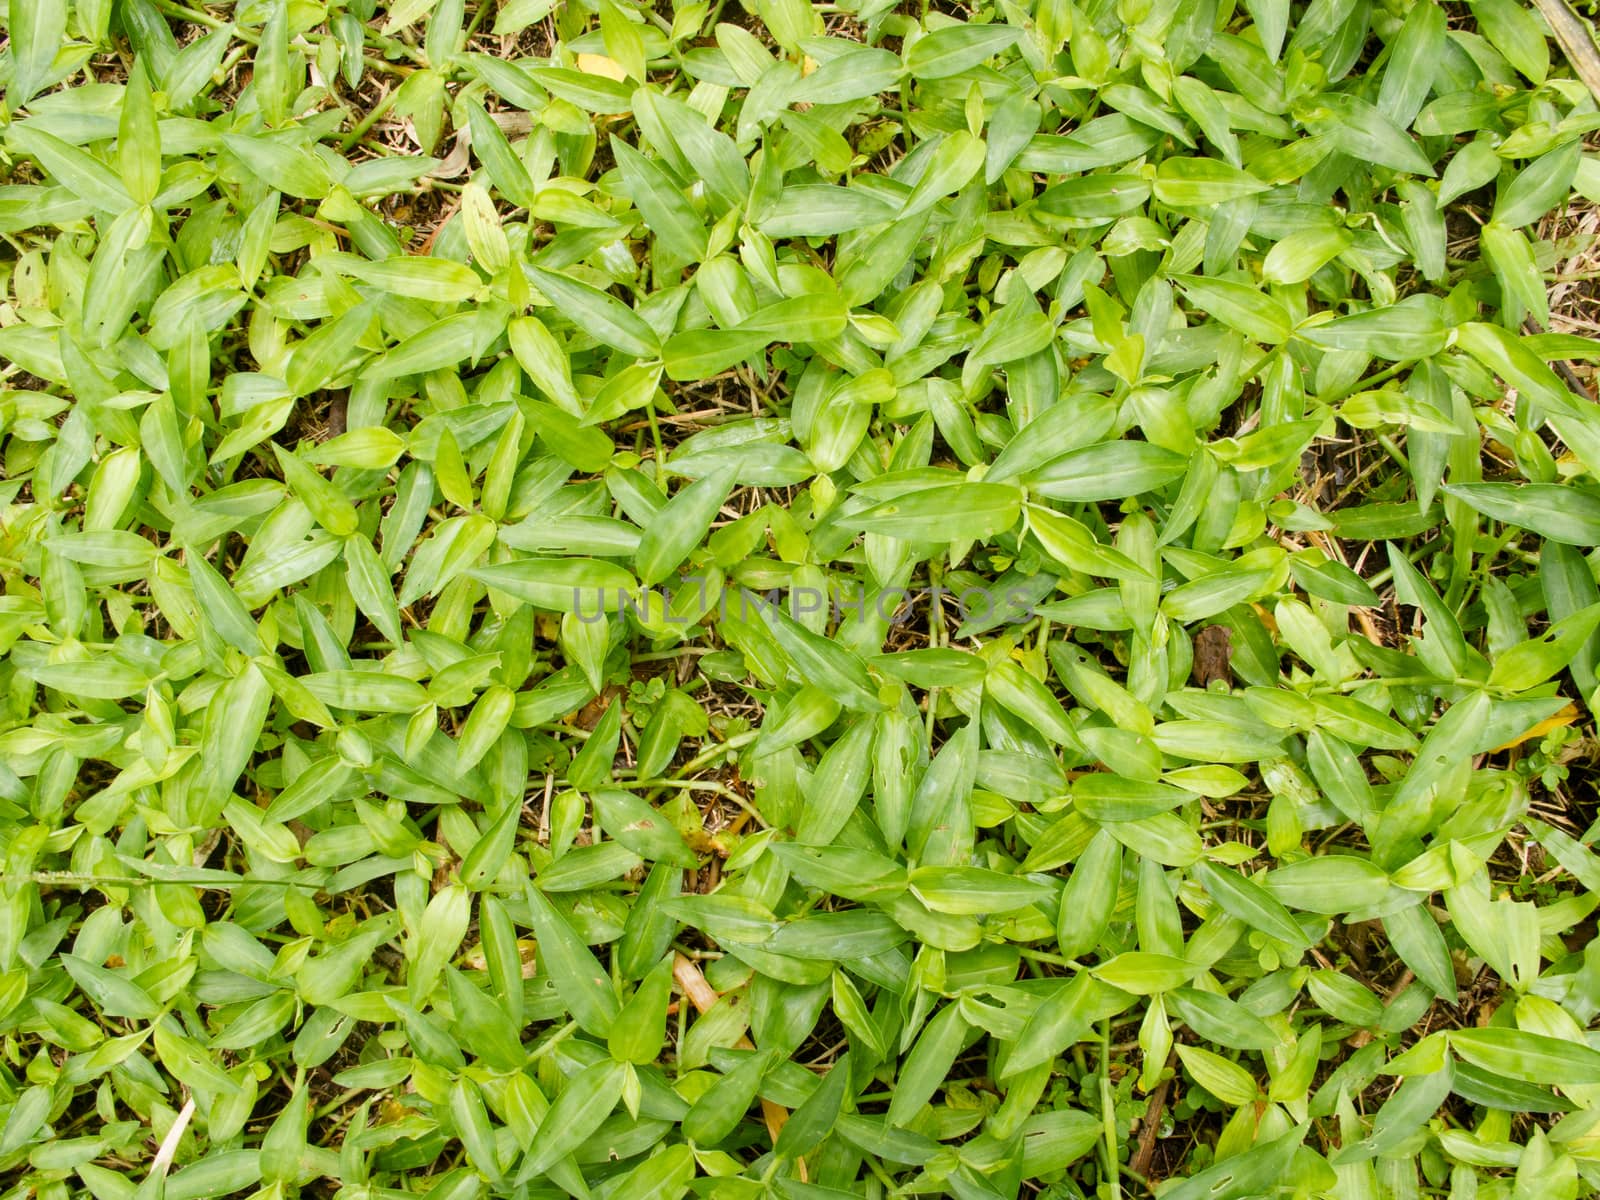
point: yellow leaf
(1267, 618)
(599, 64)
(1566, 716)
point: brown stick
(1361, 1037)
(1150, 1126)
(1573, 36)
(702, 995)
(694, 985)
(1562, 367)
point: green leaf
(837, 786)
(928, 1065)
(1360, 130)
(1421, 946)
(371, 588)
(1332, 883)
(1215, 593)
(1249, 902)
(292, 169)
(1144, 974)
(972, 891)
(1515, 32)
(331, 508)
(1090, 896)
(1222, 1077)
(1400, 333)
(957, 159)
(113, 994)
(809, 318)
(662, 1176)
(1413, 57)
(1256, 1170)
(1096, 197)
(824, 663)
(1202, 183)
(1029, 698)
(29, 1111)
(681, 525)
(222, 607)
(678, 230)
(1538, 187)
(436, 280)
(1219, 1019)
(1530, 1057)
(1300, 255)
(640, 1030)
(1063, 1017)
(598, 313)
(815, 1118)
(445, 343)
(87, 176)
(1509, 357)
(1529, 663)
(579, 979)
(957, 512)
(580, 585)
(712, 154)
(724, 1104)
(644, 830)
(492, 850)
(37, 29)
(956, 48)
(1562, 513)
(587, 1100)
(1239, 306)
(821, 210)
(139, 138)
(705, 352)
(594, 93)
(1107, 471)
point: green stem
(706, 785)
(1108, 1111)
(936, 635)
(173, 8)
(332, 1106)
(655, 440)
(1394, 452)
(1379, 578)
(374, 115)
(669, 655)
(554, 1040)
(737, 741)
(1055, 960)
(75, 879)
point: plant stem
(1108, 1112)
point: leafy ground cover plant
(814, 600)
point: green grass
(822, 600)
